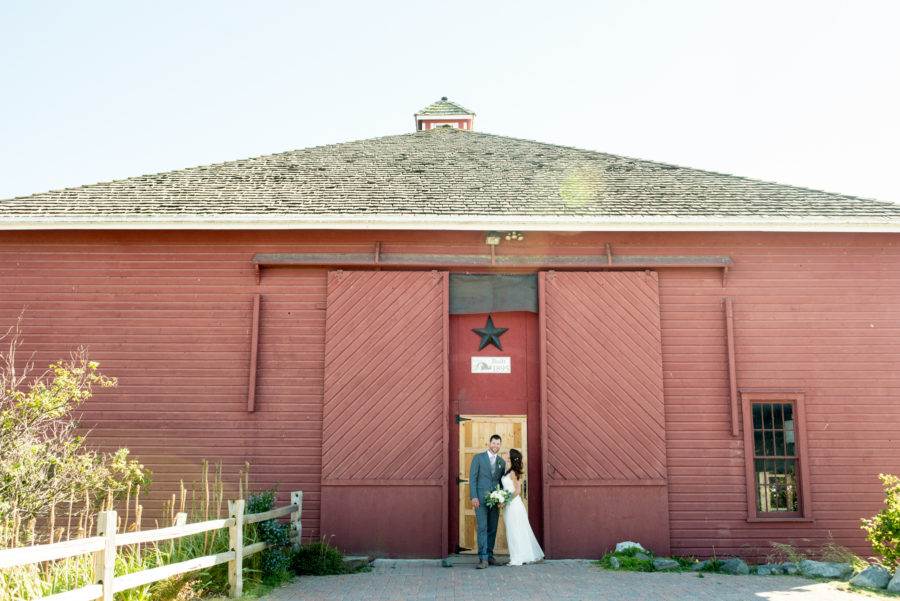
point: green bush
(884, 529)
(318, 559)
(45, 461)
(275, 561)
(628, 561)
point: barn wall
(169, 314)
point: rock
(872, 577)
(447, 562)
(355, 562)
(764, 570)
(826, 569)
(664, 564)
(614, 562)
(699, 565)
(734, 566)
(629, 545)
(894, 585)
(643, 556)
(790, 568)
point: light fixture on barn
(493, 240)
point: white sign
(491, 365)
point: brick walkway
(565, 580)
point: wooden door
(605, 430)
(474, 435)
(376, 386)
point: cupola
(444, 113)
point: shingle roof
(449, 177)
(444, 107)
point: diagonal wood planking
(383, 406)
(605, 413)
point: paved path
(564, 580)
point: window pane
(757, 416)
(791, 501)
(778, 417)
(779, 443)
(770, 443)
(789, 430)
(762, 499)
(758, 443)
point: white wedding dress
(523, 546)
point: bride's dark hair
(515, 462)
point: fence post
(236, 543)
(105, 560)
(296, 526)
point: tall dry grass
(75, 518)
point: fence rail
(104, 545)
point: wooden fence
(103, 546)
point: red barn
(692, 360)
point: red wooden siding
(812, 312)
(169, 314)
(605, 433)
(385, 411)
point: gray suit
(483, 480)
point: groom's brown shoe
(482, 564)
(493, 561)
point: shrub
(44, 461)
(318, 559)
(883, 530)
(275, 561)
(628, 561)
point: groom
(484, 476)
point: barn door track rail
(377, 258)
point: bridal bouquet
(497, 497)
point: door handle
(525, 489)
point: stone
(699, 565)
(872, 577)
(628, 545)
(826, 569)
(643, 556)
(447, 562)
(789, 568)
(734, 566)
(894, 585)
(614, 562)
(355, 562)
(767, 569)
(664, 564)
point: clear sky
(799, 92)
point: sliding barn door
(385, 422)
(604, 426)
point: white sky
(800, 92)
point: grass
(38, 580)
(829, 551)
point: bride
(523, 546)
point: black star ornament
(489, 334)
